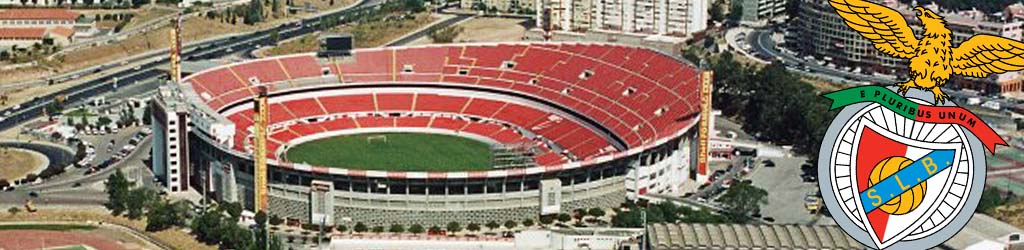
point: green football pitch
(395, 152)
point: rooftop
(740, 236)
(38, 14)
(22, 33)
(980, 229)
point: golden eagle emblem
(933, 59)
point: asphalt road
(148, 69)
(761, 42)
(74, 189)
(424, 32)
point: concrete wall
(292, 202)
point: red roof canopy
(38, 14)
(23, 33)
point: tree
(510, 224)
(164, 215)
(492, 225)
(631, 218)
(378, 229)
(103, 121)
(234, 209)
(413, 5)
(990, 199)
(274, 36)
(736, 13)
(360, 227)
(13, 210)
(254, 14)
(742, 200)
(276, 244)
(528, 222)
(416, 229)
(117, 192)
(596, 212)
(275, 220)
(396, 228)
(138, 200)
(454, 227)
(564, 217)
(261, 218)
(206, 227)
(473, 227)
(232, 236)
(717, 12)
(445, 35)
(547, 219)
(702, 216)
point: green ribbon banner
(918, 112)
(877, 94)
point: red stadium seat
(625, 89)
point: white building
(170, 141)
(678, 18)
(759, 12)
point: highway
(64, 190)
(761, 43)
(210, 49)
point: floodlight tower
(260, 148)
(175, 49)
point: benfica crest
(897, 172)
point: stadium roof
(981, 231)
(744, 236)
(38, 14)
(982, 228)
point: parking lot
(786, 190)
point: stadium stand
(622, 88)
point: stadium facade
(595, 124)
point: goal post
(376, 138)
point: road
(761, 42)
(426, 30)
(73, 189)
(214, 48)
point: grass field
(401, 152)
(47, 227)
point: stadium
(439, 133)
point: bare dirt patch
(367, 35)
(15, 164)
(44, 239)
(487, 29)
(492, 29)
